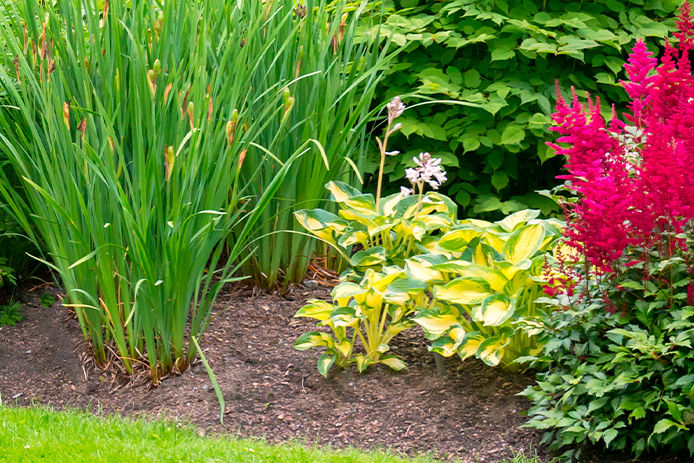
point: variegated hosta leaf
(470, 344)
(520, 281)
(494, 278)
(317, 309)
(344, 316)
(341, 192)
(524, 243)
(458, 239)
(496, 241)
(323, 224)
(436, 323)
(368, 257)
(495, 310)
(393, 362)
(403, 290)
(513, 221)
(420, 272)
(324, 363)
(380, 225)
(363, 362)
(346, 290)
(355, 233)
(389, 203)
(491, 350)
(435, 221)
(344, 348)
(445, 345)
(314, 339)
(463, 290)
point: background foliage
(505, 56)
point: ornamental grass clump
(618, 361)
(129, 126)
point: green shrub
(618, 365)
(505, 56)
(10, 314)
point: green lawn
(40, 434)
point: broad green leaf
(490, 351)
(458, 239)
(341, 192)
(523, 243)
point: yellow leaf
(463, 290)
(436, 324)
(523, 243)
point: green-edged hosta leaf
(355, 233)
(524, 243)
(470, 344)
(344, 316)
(491, 350)
(324, 363)
(513, 221)
(495, 310)
(436, 323)
(346, 290)
(341, 192)
(422, 273)
(368, 257)
(393, 363)
(323, 224)
(463, 290)
(363, 362)
(314, 339)
(521, 280)
(457, 240)
(445, 345)
(317, 309)
(344, 347)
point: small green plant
(11, 314)
(47, 300)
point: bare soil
(274, 391)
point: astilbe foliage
(633, 181)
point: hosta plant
(485, 279)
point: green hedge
(505, 56)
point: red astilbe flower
(633, 184)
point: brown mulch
(272, 390)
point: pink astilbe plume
(634, 184)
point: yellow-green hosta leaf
(495, 241)
(344, 316)
(524, 243)
(323, 224)
(480, 256)
(491, 350)
(353, 234)
(314, 339)
(470, 344)
(389, 203)
(457, 240)
(379, 281)
(517, 219)
(368, 257)
(317, 309)
(520, 281)
(494, 278)
(436, 323)
(341, 192)
(494, 310)
(344, 347)
(324, 363)
(393, 363)
(363, 362)
(435, 221)
(463, 290)
(346, 290)
(507, 268)
(419, 272)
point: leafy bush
(619, 356)
(504, 56)
(470, 284)
(136, 117)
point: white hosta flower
(395, 109)
(405, 192)
(428, 170)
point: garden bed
(272, 390)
